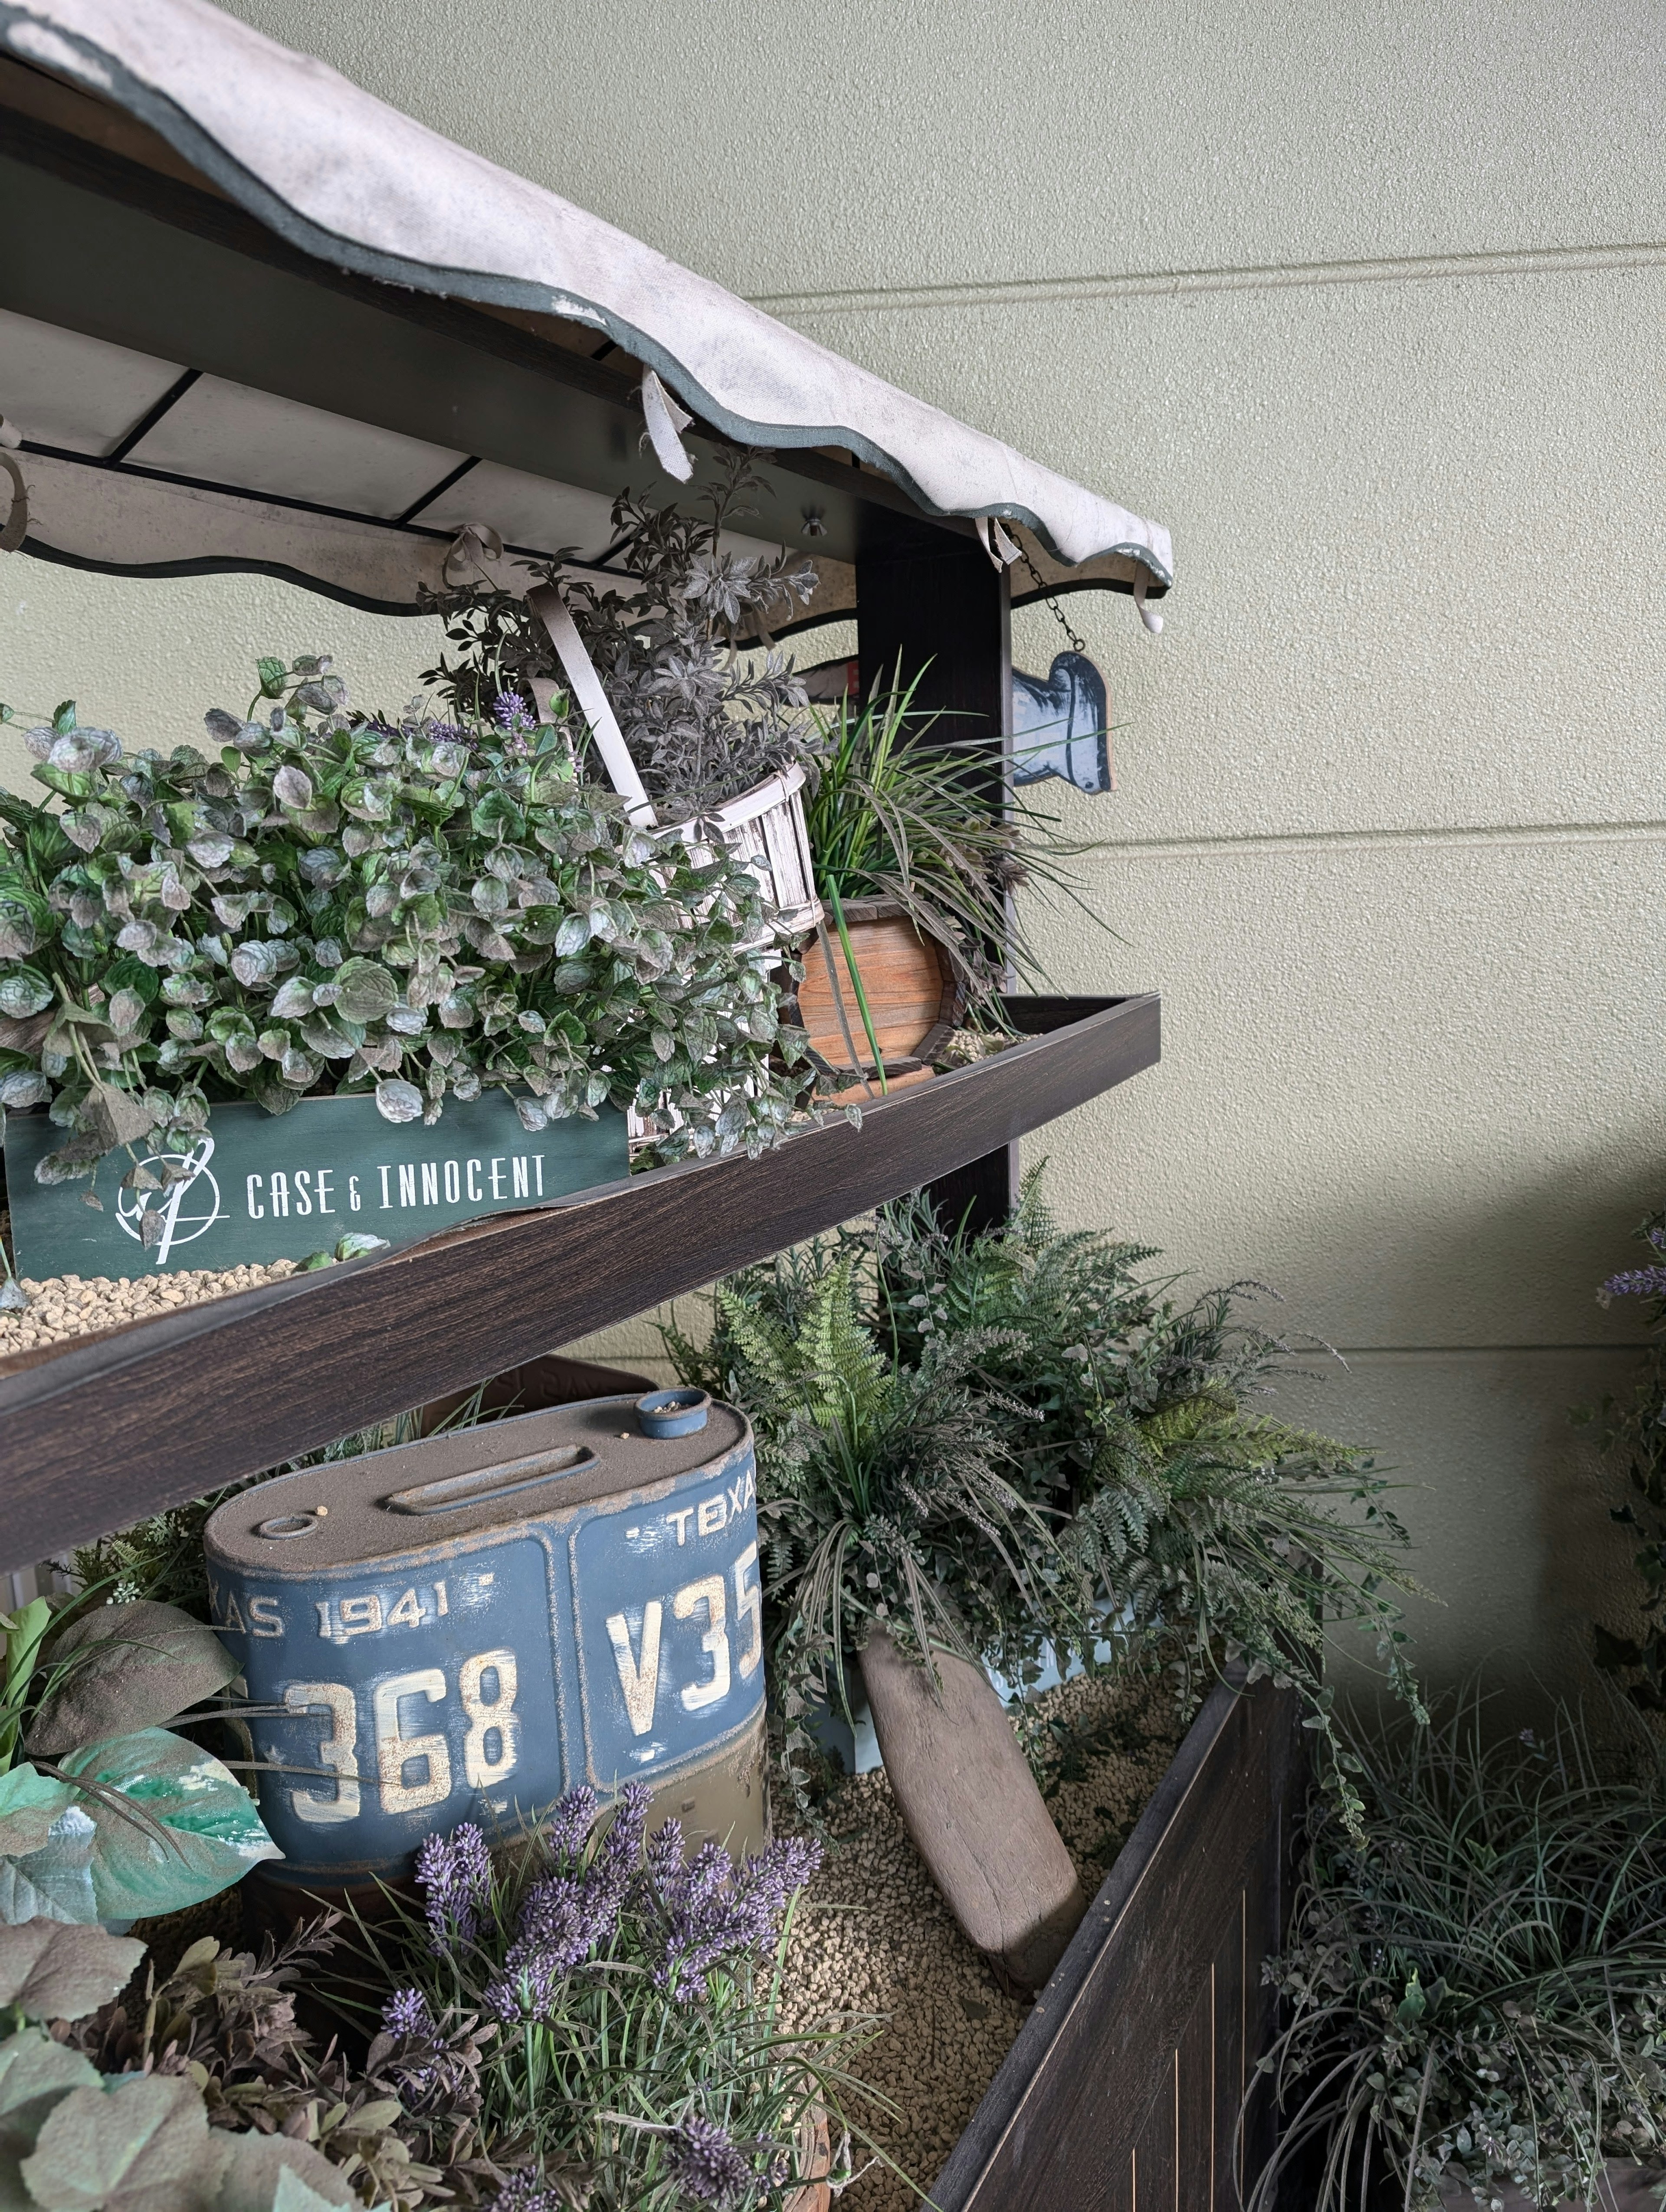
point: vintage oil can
(465, 1628)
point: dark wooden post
(930, 604)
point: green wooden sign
(265, 1188)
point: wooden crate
(1123, 2091)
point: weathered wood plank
(1197, 2149)
(1231, 2055)
(1086, 2085)
(110, 1429)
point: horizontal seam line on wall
(1469, 1351)
(1408, 268)
(1526, 833)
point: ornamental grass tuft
(1476, 1982)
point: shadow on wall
(1508, 1508)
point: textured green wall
(1364, 305)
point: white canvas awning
(179, 189)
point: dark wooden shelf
(99, 1433)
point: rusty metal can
(467, 1628)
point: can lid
(501, 1475)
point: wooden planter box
(1123, 2091)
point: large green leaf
(212, 1832)
(52, 1971)
(272, 2174)
(139, 2143)
(56, 1881)
(124, 1667)
(35, 2074)
(29, 1803)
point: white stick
(548, 604)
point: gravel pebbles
(65, 1306)
(874, 1936)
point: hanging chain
(1076, 644)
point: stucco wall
(1363, 304)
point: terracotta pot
(864, 1089)
(913, 993)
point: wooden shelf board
(99, 1433)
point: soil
(873, 1936)
(72, 1305)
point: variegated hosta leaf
(29, 1803)
(56, 1881)
(212, 1834)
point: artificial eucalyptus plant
(703, 719)
(402, 907)
(199, 2091)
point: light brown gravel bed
(64, 1306)
(874, 1936)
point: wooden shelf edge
(113, 1427)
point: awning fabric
(354, 184)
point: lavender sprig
(454, 1873)
(711, 2167)
(713, 1912)
(570, 1915)
(406, 2015)
(1635, 1283)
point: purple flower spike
(663, 1857)
(1637, 1282)
(568, 1825)
(455, 1874)
(510, 715)
(715, 1912)
(407, 2014)
(707, 2163)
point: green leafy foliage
(404, 908)
(1082, 1463)
(207, 2098)
(703, 721)
(888, 1487)
(111, 1816)
(902, 811)
(1476, 1978)
(1634, 1434)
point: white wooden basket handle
(549, 606)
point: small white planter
(765, 829)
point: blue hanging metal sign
(1061, 725)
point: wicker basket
(765, 829)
